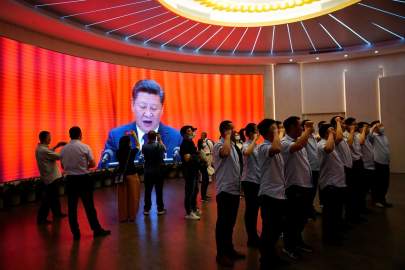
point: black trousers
(205, 180)
(251, 190)
(153, 179)
(332, 212)
(227, 212)
(50, 201)
(315, 179)
(299, 205)
(273, 213)
(190, 190)
(368, 180)
(355, 183)
(381, 183)
(81, 186)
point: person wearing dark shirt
(128, 192)
(190, 165)
(153, 153)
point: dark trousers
(354, 182)
(49, 201)
(227, 212)
(315, 178)
(272, 212)
(299, 205)
(368, 180)
(205, 180)
(332, 212)
(190, 191)
(251, 190)
(153, 179)
(81, 186)
(381, 182)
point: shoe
(224, 261)
(146, 213)
(306, 248)
(101, 233)
(198, 212)
(292, 254)
(44, 222)
(161, 212)
(237, 255)
(192, 216)
(76, 236)
(61, 215)
(379, 205)
(204, 199)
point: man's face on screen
(147, 109)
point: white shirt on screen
(140, 135)
(75, 158)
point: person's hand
(309, 125)
(158, 137)
(338, 119)
(228, 133)
(60, 144)
(255, 137)
(352, 128)
(331, 130)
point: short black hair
(333, 120)
(75, 132)
(349, 121)
(362, 124)
(152, 135)
(150, 87)
(323, 130)
(250, 128)
(290, 122)
(242, 134)
(200, 144)
(264, 126)
(278, 122)
(224, 126)
(43, 135)
(321, 123)
(374, 122)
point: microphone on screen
(107, 154)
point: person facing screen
(147, 107)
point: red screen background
(46, 90)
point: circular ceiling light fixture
(245, 13)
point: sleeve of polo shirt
(263, 153)
(52, 155)
(285, 148)
(217, 147)
(89, 154)
(370, 138)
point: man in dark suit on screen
(147, 106)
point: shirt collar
(140, 134)
(289, 138)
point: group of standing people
(345, 160)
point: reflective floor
(170, 242)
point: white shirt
(75, 158)
(312, 152)
(251, 169)
(140, 135)
(355, 150)
(272, 180)
(297, 169)
(46, 161)
(332, 171)
(381, 148)
(367, 154)
(344, 152)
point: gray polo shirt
(227, 170)
(355, 150)
(345, 155)
(367, 154)
(75, 158)
(312, 152)
(381, 148)
(46, 161)
(272, 180)
(251, 169)
(332, 171)
(297, 169)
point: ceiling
(146, 28)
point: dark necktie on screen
(145, 138)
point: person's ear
(133, 105)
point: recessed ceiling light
(317, 58)
(290, 60)
(376, 51)
(345, 55)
